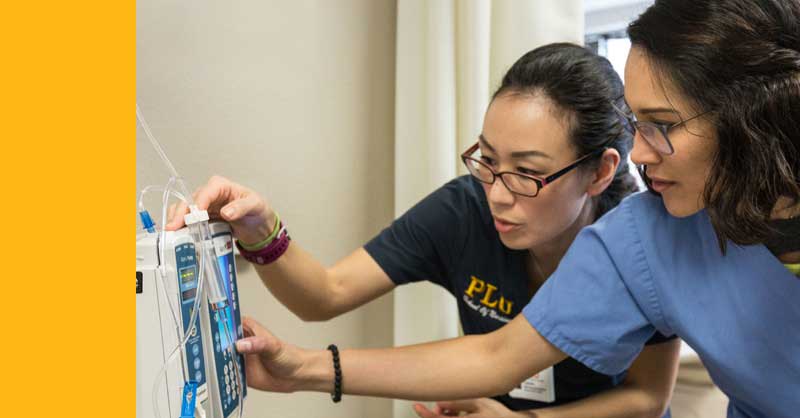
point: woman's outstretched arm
(460, 368)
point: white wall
(296, 100)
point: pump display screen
(188, 294)
(187, 275)
(188, 284)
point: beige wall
(296, 100)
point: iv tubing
(154, 188)
(202, 232)
(157, 147)
(195, 308)
(174, 179)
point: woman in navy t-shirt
(551, 159)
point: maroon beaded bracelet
(271, 252)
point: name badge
(541, 387)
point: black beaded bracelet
(337, 378)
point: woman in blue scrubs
(710, 254)
(551, 159)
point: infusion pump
(205, 360)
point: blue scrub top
(639, 270)
(449, 239)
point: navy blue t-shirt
(449, 239)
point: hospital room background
(343, 114)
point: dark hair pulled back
(583, 85)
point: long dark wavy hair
(740, 60)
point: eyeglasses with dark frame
(517, 183)
(654, 133)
